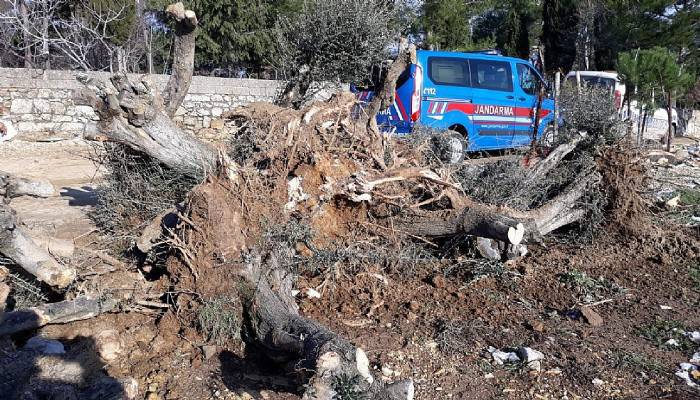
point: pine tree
(559, 34)
(658, 68)
(446, 23)
(514, 37)
(237, 32)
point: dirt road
(67, 165)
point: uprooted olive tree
(327, 167)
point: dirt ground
(433, 324)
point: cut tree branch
(183, 56)
(17, 245)
(12, 186)
(54, 313)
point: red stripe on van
(401, 108)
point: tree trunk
(277, 328)
(183, 57)
(669, 110)
(20, 248)
(45, 40)
(500, 223)
(385, 95)
(24, 13)
(54, 313)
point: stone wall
(40, 103)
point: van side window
(448, 71)
(529, 81)
(492, 75)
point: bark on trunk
(134, 116)
(20, 248)
(54, 313)
(286, 337)
(385, 96)
(669, 111)
(25, 36)
(183, 56)
(500, 223)
(138, 116)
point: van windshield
(598, 81)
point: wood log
(12, 186)
(17, 245)
(138, 116)
(500, 223)
(55, 313)
(153, 231)
(551, 161)
(54, 246)
(275, 326)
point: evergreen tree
(237, 32)
(446, 24)
(514, 38)
(658, 69)
(559, 34)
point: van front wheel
(449, 147)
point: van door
(494, 100)
(446, 93)
(527, 86)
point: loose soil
(431, 323)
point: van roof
(602, 74)
(473, 55)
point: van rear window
(492, 75)
(449, 71)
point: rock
(536, 326)
(695, 359)
(387, 371)
(313, 293)
(109, 344)
(488, 248)
(516, 251)
(42, 106)
(673, 203)
(502, 357)
(209, 351)
(693, 336)
(130, 386)
(591, 316)
(682, 154)
(529, 355)
(597, 382)
(45, 346)
(152, 396)
(21, 106)
(4, 292)
(217, 124)
(438, 281)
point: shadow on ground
(84, 196)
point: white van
(609, 80)
(656, 126)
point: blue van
(490, 100)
